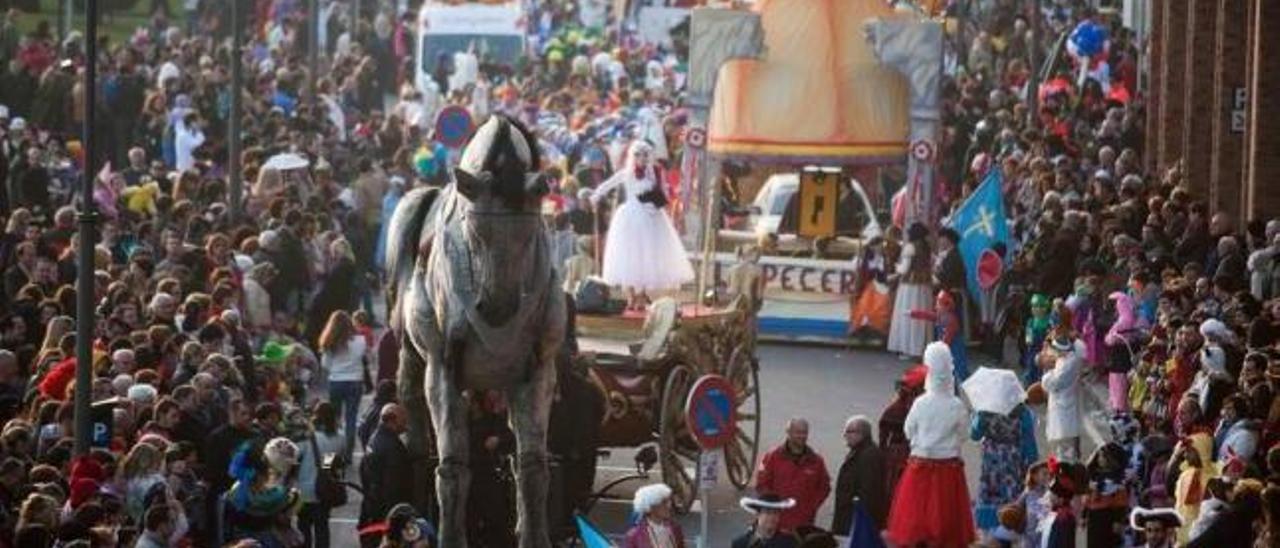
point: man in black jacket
(861, 478)
(218, 449)
(386, 471)
(29, 183)
(948, 272)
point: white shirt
(1062, 384)
(186, 141)
(346, 363)
(625, 177)
(167, 70)
(937, 423)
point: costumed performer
(1035, 333)
(643, 251)
(907, 335)
(655, 528)
(1058, 528)
(1157, 525)
(933, 485)
(765, 532)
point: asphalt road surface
(822, 384)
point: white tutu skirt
(643, 250)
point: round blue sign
(711, 412)
(453, 126)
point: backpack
(330, 492)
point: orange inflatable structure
(817, 95)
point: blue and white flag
(981, 223)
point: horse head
(501, 188)
(499, 172)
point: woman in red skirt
(931, 505)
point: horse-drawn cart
(646, 390)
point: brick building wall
(1152, 96)
(1172, 67)
(1197, 100)
(1264, 119)
(1226, 170)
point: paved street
(825, 385)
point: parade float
(824, 92)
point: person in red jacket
(793, 470)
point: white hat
(937, 357)
(281, 454)
(1140, 516)
(767, 501)
(18, 124)
(269, 239)
(4, 112)
(143, 393)
(650, 496)
(1214, 329)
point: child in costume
(946, 329)
(1123, 341)
(873, 308)
(1107, 501)
(1035, 333)
(260, 504)
(1034, 501)
(1058, 528)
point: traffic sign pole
(710, 412)
(709, 463)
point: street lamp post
(313, 38)
(234, 177)
(1033, 49)
(87, 219)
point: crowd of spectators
(232, 349)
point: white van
(772, 200)
(497, 30)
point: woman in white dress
(642, 252)
(907, 335)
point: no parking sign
(453, 126)
(711, 412)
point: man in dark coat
(218, 449)
(949, 272)
(765, 531)
(386, 472)
(1058, 258)
(29, 183)
(861, 479)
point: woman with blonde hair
(50, 348)
(342, 356)
(15, 232)
(39, 509)
(140, 471)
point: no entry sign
(453, 126)
(710, 412)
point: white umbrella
(994, 390)
(286, 161)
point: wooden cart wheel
(677, 452)
(740, 455)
